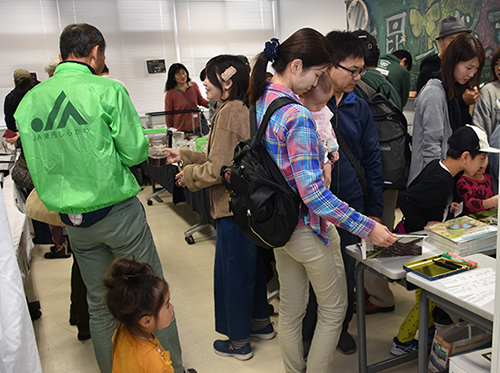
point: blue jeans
(240, 290)
(123, 233)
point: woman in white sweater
(486, 111)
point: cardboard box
(478, 361)
(453, 340)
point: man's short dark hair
(345, 45)
(79, 39)
(400, 54)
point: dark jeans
(347, 239)
(239, 282)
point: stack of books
(463, 236)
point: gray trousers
(123, 233)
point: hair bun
(124, 269)
(272, 49)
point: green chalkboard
(413, 25)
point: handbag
(263, 204)
(21, 175)
(36, 210)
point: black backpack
(392, 129)
(264, 206)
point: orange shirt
(132, 354)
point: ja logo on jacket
(69, 111)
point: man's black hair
(400, 54)
(79, 39)
(345, 45)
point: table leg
(423, 326)
(360, 314)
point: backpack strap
(369, 91)
(360, 172)
(253, 121)
(275, 105)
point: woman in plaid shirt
(313, 252)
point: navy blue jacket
(355, 122)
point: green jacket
(80, 133)
(400, 77)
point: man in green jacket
(373, 77)
(396, 67)
(80, 133)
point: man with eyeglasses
(355, 129)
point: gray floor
(188, 269)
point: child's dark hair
(134, 291)
(306, 44)
(219, 64)
(455, 153)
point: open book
(405, 245)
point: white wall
(322, 15)
(29, 33)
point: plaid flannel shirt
(294, 144)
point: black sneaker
(347, 344)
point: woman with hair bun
(312, 254)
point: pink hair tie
(126, 277)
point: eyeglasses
(354, 73)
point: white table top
(438, 288)
(392, 268)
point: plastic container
(178, 139)
(157, 157)
(159, 138)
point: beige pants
(302, 260)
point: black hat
(368, 38)
(452, 25)
(471, 139)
